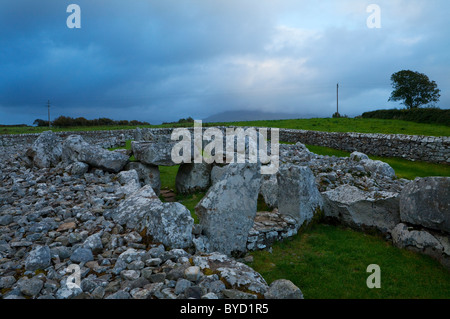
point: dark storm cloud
(162, 60)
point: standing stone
(217, 173)
(193, 177)
(426, 202)
(46, 150)
(269, 189)
(357, 208)
(148, 174)
(298, 196)
(228, 210)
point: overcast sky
(155, 60)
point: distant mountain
(234, 116)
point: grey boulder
(435, 245)
(129, 181)
(193, 177)
(46, 151)
(30, 287)
(148, 174)
(404, 237)
(235, 275)
(362, 209)
(81, 254)
(168, 223)
(378, 167)
(298, 196)
(38, 258)
(426, 202)
(76, 149)
(269, 189)
(228, 209)
(157, 151)
(78, 168)
(358, 156)
(283, 289)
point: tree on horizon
(414, 89)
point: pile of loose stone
(54, 218)
(332, 171)
(72, 210)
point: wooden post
(48, 106)
(337, 99)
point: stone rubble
(104, 217)
(56, 217)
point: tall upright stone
(148, 174)
(193, 177)
(298, 195)
(269, 190)
(228, 210)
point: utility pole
(48, 106)
(337, 99)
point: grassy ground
(317, 124)
(330, 262)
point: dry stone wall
(412, 147)
(434, 149)
(105, 139)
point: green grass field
(315, 124)
(329, 262)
